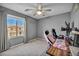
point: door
(15, 29)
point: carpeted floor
(36, 47)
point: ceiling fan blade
(28, 9)
(34, 14)
(48, 9)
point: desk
(55, 51)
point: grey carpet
(36, 47)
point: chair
(54, 33)
(49, 39)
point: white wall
(56, 22)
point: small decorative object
(67, 28)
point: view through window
(15, 26)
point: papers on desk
(60, 44)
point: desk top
(60, 43)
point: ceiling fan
(39, 10)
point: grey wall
(31, 28)
(56, 22)
(75, 15)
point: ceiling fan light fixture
(39, 12)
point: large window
(15, 26)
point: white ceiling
(57, 8)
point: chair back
(47, 38)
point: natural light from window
(15, 26)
